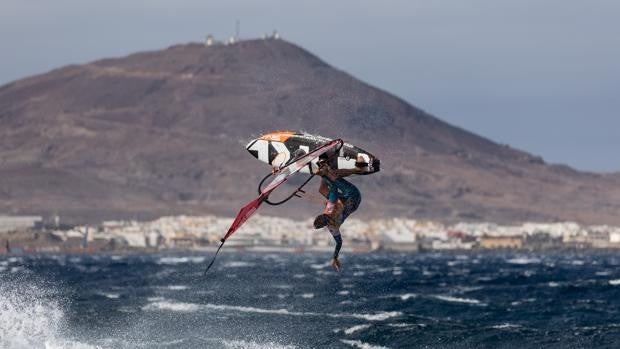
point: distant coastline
(272, 234)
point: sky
(540, 75)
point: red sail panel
(249, 209)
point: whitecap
(505, 326)
(307, 295)
(173, 260)
(172, 306)
(110, 295)
(239, 264)
(239, 344)
(403, 324)
(523, 260)
(458, 300)
(343, 293)
(614, 282)
(359, 273)
(406, 296)
(380, 316)
(357, 328)
(553, 284)
(318, 266)
(361, 345)
(177, 287)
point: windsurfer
(343, 198)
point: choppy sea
(425, 300)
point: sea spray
(32, 314)
(29, 315)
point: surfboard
(278, 148)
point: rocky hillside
(163, 132)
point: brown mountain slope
(163, 133)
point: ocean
(254, 300)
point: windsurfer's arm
(338, 238)
(324, 189)
(345, 172)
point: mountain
(163, 132)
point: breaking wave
(31, 316)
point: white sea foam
(238, 264)
(177, 287)
(180, 260)
(307, 295)
(110, 295)
(357, 328)
(505, 326)
(614, 282)
(458, 300)
(343, 293)
(523, 260)
(407, 296)
(173, 260)
(361, 345)
(380, 316)
(163, 304)
(239, 344)
(403, 325)
(318, 266)
(172, 306)
(553, 284)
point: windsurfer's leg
(350, 205)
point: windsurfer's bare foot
(336, 264)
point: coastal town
(28, 234)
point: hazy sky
(540, 75)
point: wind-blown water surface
(296, 301)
